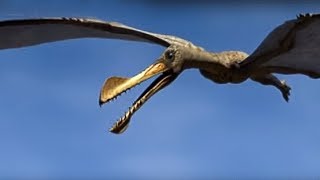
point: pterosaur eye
(170, 55)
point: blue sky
(51, 124)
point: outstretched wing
(28, 32)
(293, 47)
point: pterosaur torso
(289, 49)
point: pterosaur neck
(214, 61)
(219, 66)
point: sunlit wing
(28, 32)
(293, 47)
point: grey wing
(28, 32)
(291, 48)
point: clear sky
(52, 127)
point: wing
(28, 32)
(291, 48)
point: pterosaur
(291, 48)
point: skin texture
(290, 48)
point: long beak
(114, 86)
(162, 81)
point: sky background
(52, 127)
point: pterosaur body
(291, 48)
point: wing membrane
(293, 47)
(28, 32)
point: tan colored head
(169, 65)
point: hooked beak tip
(101, 102)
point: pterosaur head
(169, 66)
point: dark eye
(170, 55)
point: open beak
(115, 86)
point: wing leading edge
(28, 32)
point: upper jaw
(114, 86)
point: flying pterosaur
(291, 48)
